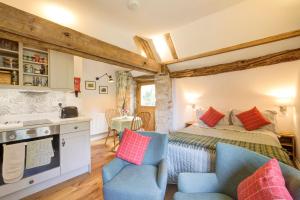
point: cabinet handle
(63, 142)
(31, 181)
(76, 127)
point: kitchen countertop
(54, 121)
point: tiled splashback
(17, 102)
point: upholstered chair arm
(111, 169)
(198, 182)
(162, 174)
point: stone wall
(163, 112)
(124, 89)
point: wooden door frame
(138, 97)
(138, 91)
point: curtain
(124, 91)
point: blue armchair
(125, 181)
(233, 165)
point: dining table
(120, 123)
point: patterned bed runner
(209, 143)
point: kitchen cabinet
(61, 70)
(74, 159)
(74, 151)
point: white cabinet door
(61, 70)
(74, 151)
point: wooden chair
(136, 123)
(109, 114)
(145, 117)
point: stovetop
(27, 123)
(37, 122)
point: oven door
(55, 160)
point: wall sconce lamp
(283, 109)
(194, 106)
(110, 78)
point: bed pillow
(270, 115)
(211, 117)
(223, 121)
(133, 147)
(252, 119)
(266, 182)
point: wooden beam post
(30, 27)
(253, 43)
(271, 59)
(170, 43)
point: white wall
(265, 87)
(243, 22)
(92, 103)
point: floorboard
(86, 186)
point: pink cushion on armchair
(266, 183)
(133, 147)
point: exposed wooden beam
(253, 43)
(146, 45)
(30, 27)
(171, 45)
(271, 59)
(144, 78)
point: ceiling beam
(270, 59)
(253, 43)
(29, 27)
(147, 46)
(171, 46)
(144, 78)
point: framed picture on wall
(90, 85)
(103, 89)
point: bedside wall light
(194, 106)
(110, 78)
(283, 109)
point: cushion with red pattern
(252, 119)
(211, 117)
(133, 147)
(266, 182)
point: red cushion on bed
(252, 119)
(211, 117)
(133, 147)
(267, 182)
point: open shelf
(9, 69)
(8, 51)
(32, 74)
(36, 50)
(32, 62)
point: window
(148, 95)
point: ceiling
(242, 54)
(152, 17)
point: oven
(26, 135)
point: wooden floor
(87, 186)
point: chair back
(136, 123)
(234, 164)
(157, 149)
(109, 114)
(145, 117)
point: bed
(192, 149)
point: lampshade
(110, 79)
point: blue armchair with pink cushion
(125, 181)
(233, 165)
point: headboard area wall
(265, 87)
